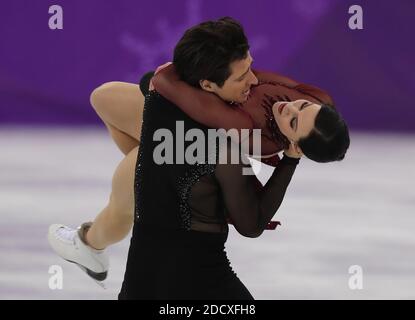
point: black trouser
(191, 265)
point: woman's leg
(124, 141)
(116, 219)
(120, 106)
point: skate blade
(100, 283)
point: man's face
(237, 87)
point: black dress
(177, 249)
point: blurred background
(57, 159)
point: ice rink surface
(357, 212)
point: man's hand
(159, 68)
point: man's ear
(207, 85)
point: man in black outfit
(177, 247)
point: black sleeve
(250, 210)
(145, 82)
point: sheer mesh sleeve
(250, 210)
(201, 106)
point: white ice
(360, 211)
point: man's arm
(249, 210)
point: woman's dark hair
(329, 140)
(206, 51)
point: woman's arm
(302, 88)
(316, 93)
(201, 106)
(272, 77)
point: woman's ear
(298, 149)
(207, 85)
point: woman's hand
(159, 68)
(293, 151)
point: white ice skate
(70, 244)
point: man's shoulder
(145, 82)
(158, 103)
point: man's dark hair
(206, 51)
(329, 139)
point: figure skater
(177, 247)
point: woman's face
(295, 119)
